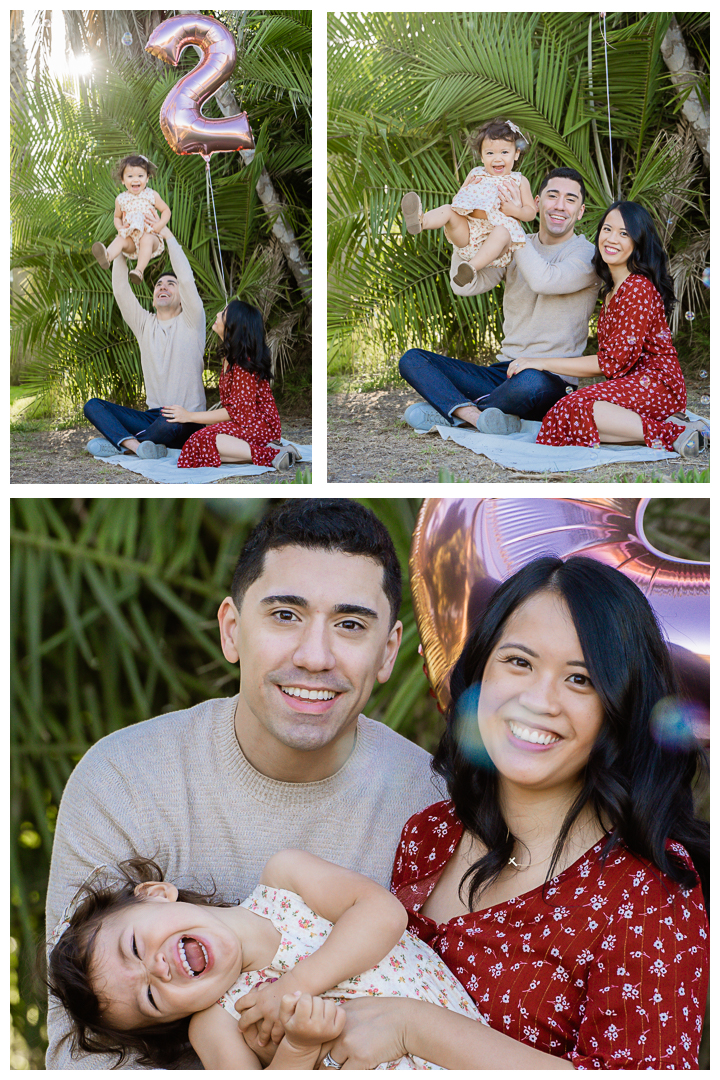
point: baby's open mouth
(193, 955)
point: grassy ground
(50, 449)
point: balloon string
(211, 202)
(603, 31)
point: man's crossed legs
(152, 432)
(454, 386)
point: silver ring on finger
(330, 1063)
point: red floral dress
(254, 418)
(606, 966)
(639, 361)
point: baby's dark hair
(498, 129)
(139, 160)
(69, 977)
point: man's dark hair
(330, 524)
(167, 273)
(564, 173)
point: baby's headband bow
(73, 905)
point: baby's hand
(261, 1006)
(310, 1021)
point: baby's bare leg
(497, 242)
(456, 227)
(120, 243)
(147, 246)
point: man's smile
(309, 695)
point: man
(550, 292)
(172, 343)
(213, 791)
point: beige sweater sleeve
(177, 788)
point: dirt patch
(368, 442)
(60, 457)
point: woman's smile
(532, 735)
(539, 713)
(614, 241)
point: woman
(247, 426)
(644, 393)
(559, 882)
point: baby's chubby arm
(218, 1042)
(117, 217)
(164, 214)
(368, 922)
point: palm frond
(405, 90)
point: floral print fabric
(255, 419)
(606, 966)
(134, 208)
(639, 361)
(411, 970)
(480, 192)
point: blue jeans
(117, 423)
(447, 384)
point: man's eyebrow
(568, 194)
(291, 601)
(355, 609)
(301, 602)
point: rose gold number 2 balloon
(463, 548)
(183, 125)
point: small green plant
(447, 477)
(302, 476)
(692, 476)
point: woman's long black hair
(639, 787)
(648, 256)
(244, 341)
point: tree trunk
(272, 204)
(683, 73)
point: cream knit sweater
(171, 350)
(550, 294)
(178, 789)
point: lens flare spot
(672, 724)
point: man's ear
(582, 211)
(229, 623)
(390, 655)
(157, 890)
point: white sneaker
(151, 450)
(422, 417)
(102, 448)
(496, 422)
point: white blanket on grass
(521, 453)
(165, 470)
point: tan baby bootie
(136, 276)
(411, 207)
(465, 274)
(100, 252)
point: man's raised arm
(131, 309)
(569, 275)
(97, 824)
(192, 305)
